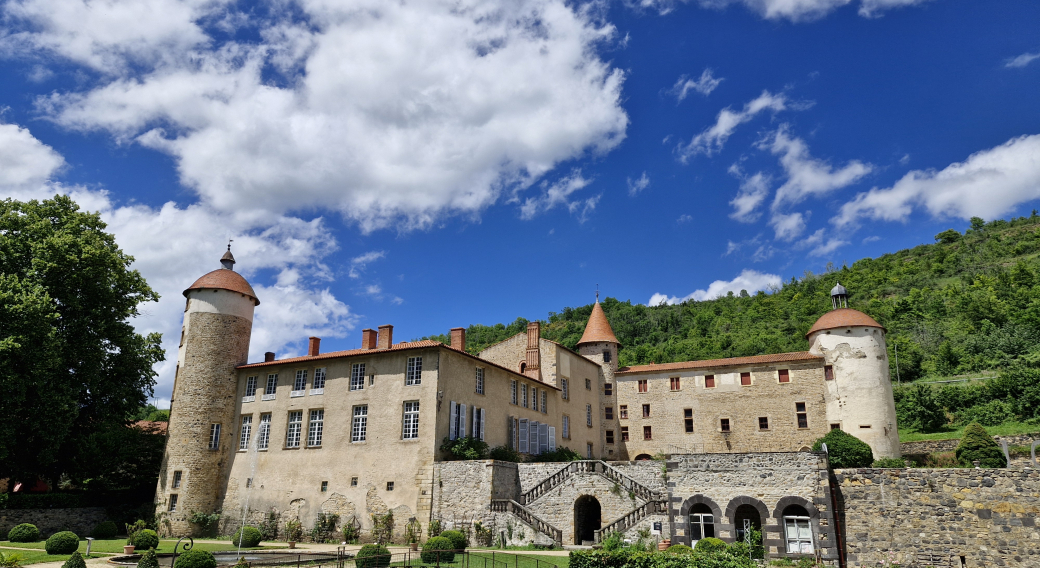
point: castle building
(359, 432)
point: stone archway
(587, 518)
(745, 508)
(644, 457)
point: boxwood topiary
(438, 549)
(679, 549)
(977, 444)
(845, 450)
(710, 544)
(75, 561)
(195, 559)
(105, 530)
(145, 539)
(250, 538)
(372, 556)
(148, 560)
(64, 542)
(458, 540)
(24, 532)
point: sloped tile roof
(843, 317)
(224, 279)
(598, 329)
(728, 362)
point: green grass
(955, 432)
(115, 546)
(38, 556)
(511, 560)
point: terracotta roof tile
(728, 362)
(152, 427)
(224, 279)
(598, 329)
(843, 317)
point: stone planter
(292, 544)
(413, 546)
(128, 549)
(664, 544)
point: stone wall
(49, 521)
(925, 447)
(937, 517)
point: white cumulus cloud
(559, 193)
(753, 191)
(704, 85)
(714, 137)
(793, 10)
(806, 175)
(25, 162)
(750, 280)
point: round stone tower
(218, 320)
(859, 391)
(599, 344)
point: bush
(105, 530)
(679, 549)
(458, 540)
(64, 542)
(464, 448)
(889, 463)
(917, 408)
(195, 559)
(372, 556)
(75, 561)
(438, 549)
(992, 413)
(505, 453)
(10, 560)
(250, 536)
(557, 455)
(145, 539)
(24, 532)
(435, 528)
(614, 541)
(978, 445)
(845, 450)
(710, 544)
(148, 560)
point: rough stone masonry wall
(49, 521)
(934, 517)
(925, 447)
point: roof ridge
(723, 362)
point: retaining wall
(49, 521)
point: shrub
(250, 536)
(438, 549)
(324, 527)
(464, 448)
(710, 544)
(557, 455)
(195, 559)
(992, 413)
(148, 560)
(889, 463)
(845, 450)
(75, 561)
(105, 530)
(24, 532)
(917, 408)
(372, 556)
(679, 549)
(64, 542)
(505, 453)
(978, 445)
(10, 560)
(458, 540)
(145, 539)
(435, 528)
(614, 541)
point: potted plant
(131, 530)
(293, 531)
(414, 532)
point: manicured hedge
(148, 560)
(251, 538)
(458, 540)
(64, 542)
(145, 539)
(977, 444)
(710, 544)
(372, 556)
(845, 450)
(438, 549)
(195, 559)
(24, 532)
(75, 561)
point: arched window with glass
(702, 523)
(798, 530)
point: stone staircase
(524, 514)
(631, 518)
(597, 467)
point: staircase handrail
(525, 515)
(588, 466)
(629, 519)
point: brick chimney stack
(314, 346)
(269, 356)
(458, 338)
(386, 337)
(368, 339)
(534, 356)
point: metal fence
(432, 559)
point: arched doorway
(644, 457)
(586, 519)
(746, 516)
(702, 523)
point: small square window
(608, 413)
(828, 373)
(608, 389)
(646, 411)
(173, 503)
(709, 381)
(745, 379)
(389, 485)
(324, 486)
(763, 422)
(610, 436)
(249, 482)
(647, 433)
(643, 386)
(674, 383)
(606, 356)
(784, 375)
(724, 424)
(835, 426)
(799, 407)
(588, 384)
(353, 482)
(177, 475)
(623, 411)
(624, 433)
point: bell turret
(839, 296)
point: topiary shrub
(458, 540)
(889, 463)
(977, 444)
(24, 532)
(64, 542)
(105, 530)
(250, 536)
(148, 560)
(372, 556)
(438, 549)
(145, 539)
(845, 450)
(75, 561)
(195, 559)
(679, 549)
(710, 544)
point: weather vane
(597, 292)
(229, 241)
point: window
(606, 356)
(608, 412)
(523, 395)
(797, 531)
(353, 482)
(646, 411)
(608, 389)
(624, 433)
(357, 376)
(250, 394)
(745, 379)
(784, 375)
(263, 435)
(300, 384)
(545, 401)
(763, 422)
(674, 383)
(863, 426)
(315, 427)
(249, 482)
(724, 424)
(457, 421)
(702, 523)
(566, 389)
(372, 379)
(214, 436)
(359, 427)
(247, 429)
(410, 429)
(588, 451)
(271, 388)
(709, 381)
(566, 427)
(389, 485)
(177, 479)
(413, 376)
(588, 384)
(828, 373)
(803, 418)
(835, 426)
(588, 415)
(478, 423)
(643, 385)
(610, 436)
(480, 380)
(647, 433)
(292, 433)
(512, 391)
(319, 381)
(173, 503)
(688, 420)
(324, 486)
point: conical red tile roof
(224, 279)
(598, 328)
(843, 317)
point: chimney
(458, 338)
(312, 348)
(534, 332)
(368, 339)
(386, 337)
(269, 356)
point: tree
(949, 236)
(845, 450)
(977, 444)
(71, 364)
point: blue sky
(435, 164)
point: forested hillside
(967, 303)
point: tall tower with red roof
(598, 343)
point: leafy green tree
(977, 444)
(949, 236)
(917, 408)
(71, 364)
(845, 450)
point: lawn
(115, 545)
(37, 556)
(519, 560)
(949, 432)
